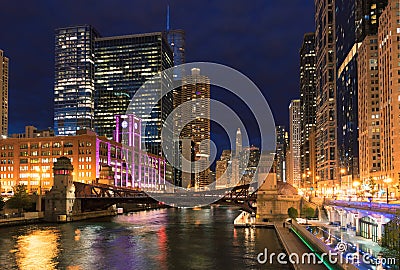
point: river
(157, 239)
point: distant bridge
(100, 196)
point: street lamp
(39, 204)
(387, 181)
(356, 185)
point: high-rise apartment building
(389, 85)
(307, 101)
(74, 79)
(223, 174)
(3, 94)
(355, 20)
(195, 119)
(236, 159)
(295, 141)
(367, 17)
(346, 87)
(280, 153)
(368, 108)
(250, 161)
(325, 141)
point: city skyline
(42, 79)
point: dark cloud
(259, 38)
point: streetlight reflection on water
(37, 250)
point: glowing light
(38, 250)
(356, 183)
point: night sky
(259, 38)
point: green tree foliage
(308, 212)
(391, 239)
(20, 200)
(292, 212)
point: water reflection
(161, 239)
(37, 250)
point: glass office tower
(308, 103)
(123, 65)
(74, 79)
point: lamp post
(39, 204)
(356, 185)
(316, 185)
(387, 181)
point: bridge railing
(381, 207)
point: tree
(309, 212)
(2, 203)
(391, 239)
(292, 212)
(20, 200)
(372, 186)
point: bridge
(99, 196)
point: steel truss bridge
(101, 196)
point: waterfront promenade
(294, 245)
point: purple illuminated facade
(94, 158)
(142, 170)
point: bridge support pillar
(61, 198)
(343, 219)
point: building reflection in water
(38, 250)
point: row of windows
(46, 145)
(46, 153)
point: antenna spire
(167, 18)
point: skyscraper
(123, 65)
(96, 78)
(389, 84)
(236, 159)
(308, 99)
(326, 143)
(367, 21)
(346, 87)
(355, 20)
(223, 175)
(74, 79)
(196, 89)
(295, 141)
(176, 39)
(368, 108)
(250, 159)
(367, 17)
(3, 94)
(239, 144)
(280, 153)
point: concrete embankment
(27, 218)
(92, 214)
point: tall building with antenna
(176, 39)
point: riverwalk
(294, 245)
